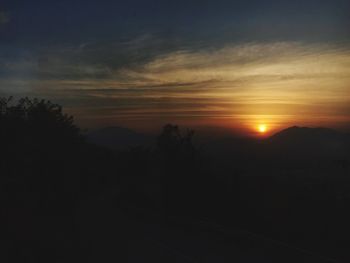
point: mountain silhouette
(118, 138)
(304, 143)
(293, 146)
(305, 137)
(301, 134)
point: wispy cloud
(144, 79)
(4, 17)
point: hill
(118, 138)
(305, 142)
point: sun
(262, 128)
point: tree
(176, 148)
(40, 146)
(178, 161)
(37, 124)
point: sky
(142, 64)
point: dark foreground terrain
(65, 199)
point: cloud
(246, 82)
(4, 18)
(248, 60)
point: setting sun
(262, 128)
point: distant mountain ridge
(302, 133)
(118, 138)
(305, 142)
(310, 137)
(291, 147)
(293, 142)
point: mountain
(294, 147)
(303, 134)
(308, 143)
(118, 138)
(305, 137)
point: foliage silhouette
(36, 119)
(41, 163)
(176, 148)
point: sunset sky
(141, 64)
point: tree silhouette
(41, 166)
(176, 148)
(39, 118)
(40, 149)
(178, 161)
(35, 128)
